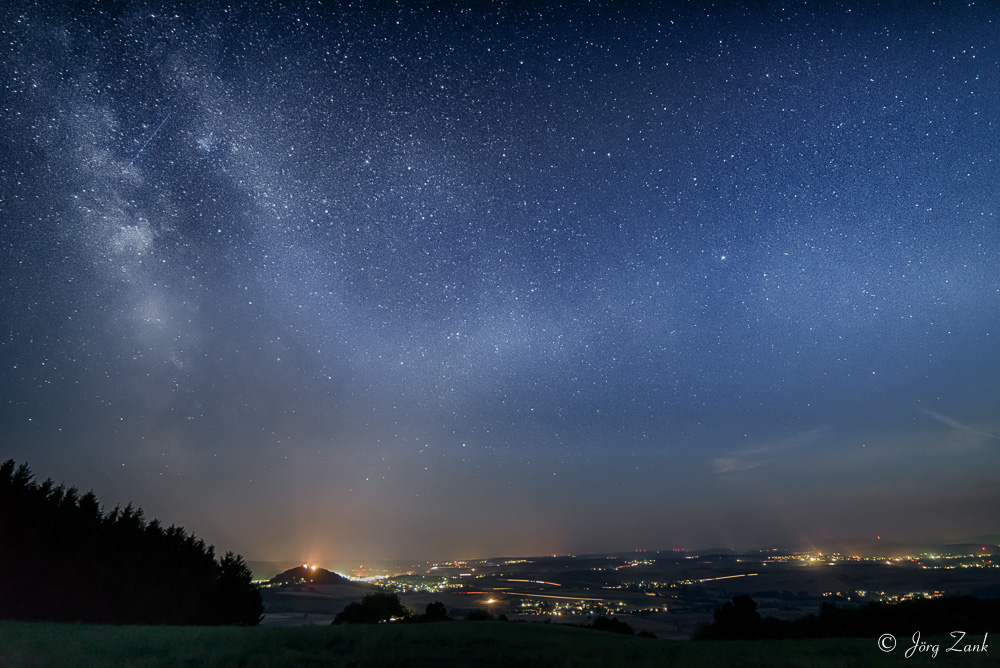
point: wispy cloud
(727, 464)
(755, 456)
(955, 424)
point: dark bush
(614, 625)
(372, 609)
(435, 612)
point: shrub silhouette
(372, 609)
(741, 610)
(614, 625)
(63, 559)
(435, 612)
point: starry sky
(359, 280)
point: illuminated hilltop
(306, 574)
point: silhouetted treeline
(62, 558)
(739, 620)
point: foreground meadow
(453, 644)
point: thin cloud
(753, 457)
(955, 424)
(727, 464)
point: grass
(455, 644)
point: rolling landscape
(654, 598)
(670, 593)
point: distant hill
(308, 575)
(265, 570)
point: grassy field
(454, 644)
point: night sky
(386, 280)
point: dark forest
(62, 558)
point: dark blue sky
(394, 280)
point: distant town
(668, 592)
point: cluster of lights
(883, 597)
(857, 593)
(581, 608)
(434, 586)
(627, 564)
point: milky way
(422, 281)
